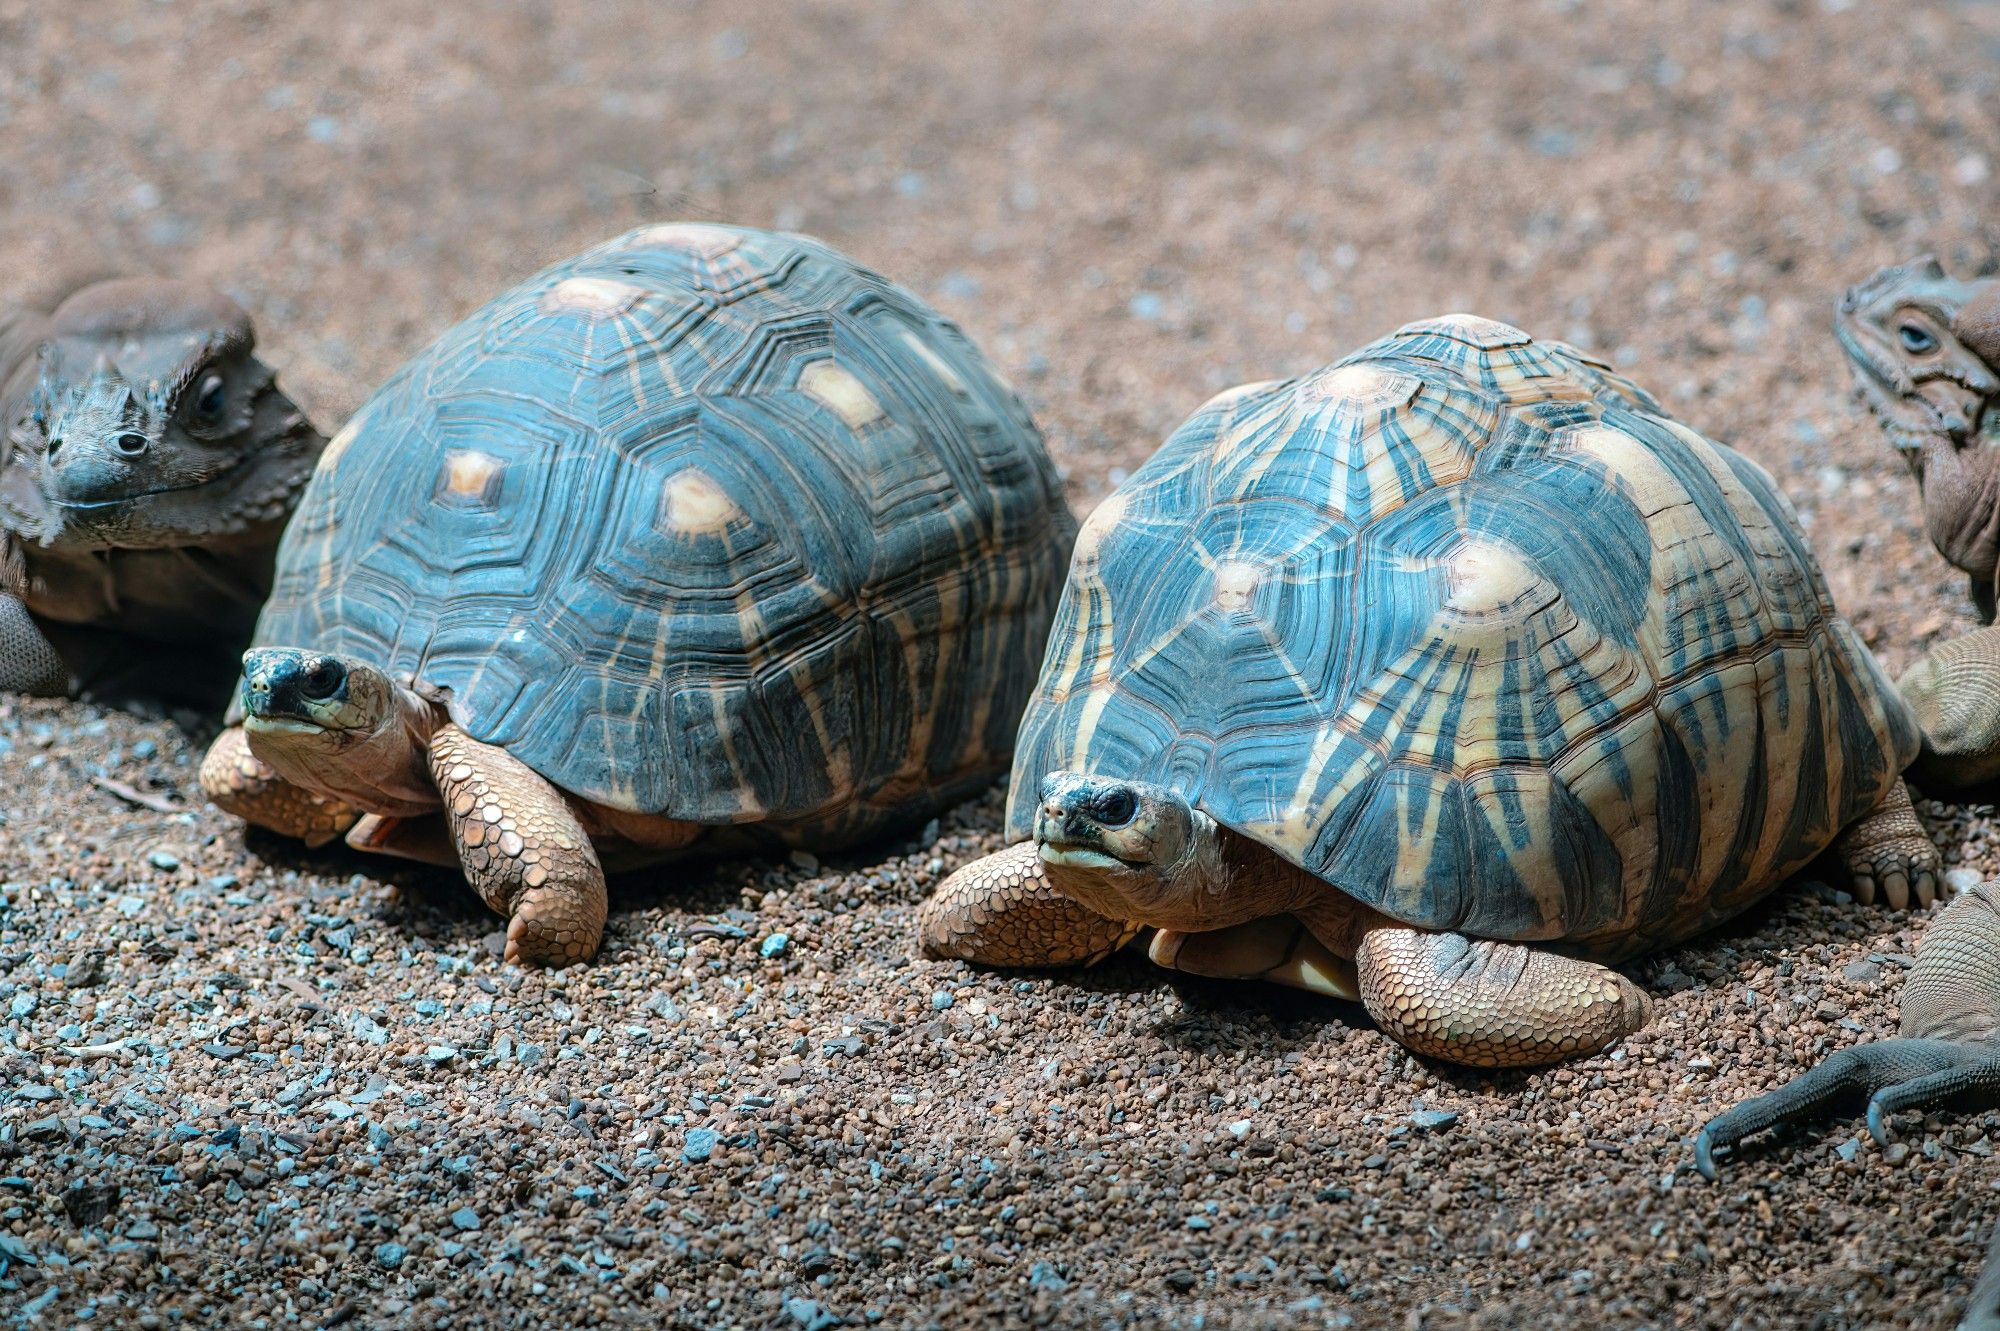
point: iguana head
(1922, 347)
(150, 422)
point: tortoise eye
(322, 680)
(1117, 808)
(1916, 339)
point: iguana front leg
(29, 662)
(1948, 1054)
(1948, 1057)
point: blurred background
(1131, 205)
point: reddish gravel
(308, 1091)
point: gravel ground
(246, 1085)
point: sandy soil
(308, 1090)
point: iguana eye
(211, 398)
(1916, 339)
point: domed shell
(1465, 626)
(706, 522)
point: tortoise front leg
(522, 848)
(1001, 911)
(1889, 849)
(237, 781)
(1491, 1004)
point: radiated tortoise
(707, 539)
(1440, 678)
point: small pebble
(465, 1219)
(774, 946)
(700, 1144)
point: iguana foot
(1947, 1057)
(1889, 851)
(1491, 1004)
(1001, 911)
(237, 781)
(522, 848)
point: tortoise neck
(384, 770)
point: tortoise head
(1129, 850)
(290, 691)
(152, 423)
(338, 727)
(1923, 348)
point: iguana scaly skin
(148, 463)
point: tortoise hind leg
(237, 781)
(1491, 1004)
(1001, 911)
(522, 849)
(1889, 849)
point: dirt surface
(308, 1091)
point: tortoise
(1444, 677)
(706, 540)
(1924, 350)
(148, 461)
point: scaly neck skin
(1260, 875)
(1221, 879)
(383, 770)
